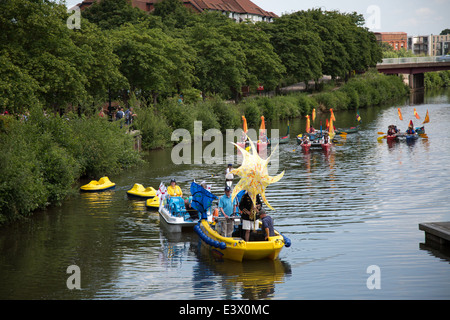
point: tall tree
(299, 47)
(111, 14)
(220, 62)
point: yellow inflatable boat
(153, 203)
(140, 191)
(103, 184)
(235, 248)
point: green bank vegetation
(42, 157)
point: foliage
(43, 156)
(437, 79)
(111, 14)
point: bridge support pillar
(417, 81)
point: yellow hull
(139, 190)
(237, 249)
(153, 202)
(103, 184)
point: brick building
(397, 40)
(239, 10)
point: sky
(415, 17)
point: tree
(36, 44)
(111, 14)
(262, 63)
(445, 32)
(153, 62)
(219, 61)
(299, 48)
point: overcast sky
(415, 17)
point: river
(357, 207)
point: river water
(357, 207)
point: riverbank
(362, 91)
(43, 156)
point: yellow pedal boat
(103, 184)
(153, 202)
(235, 248)
(140, 191)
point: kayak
(411, 137)
(326, 146)
(140, 191)
(347, 130)
(103, 184)
(392, 138)
(306, 146)
(420, 130)
(282, 140)
(174, 213)
(237, 249)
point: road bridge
(414, 68)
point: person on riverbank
(129, 116)
(267, 224)
(174, 190)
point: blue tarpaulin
(201, 199)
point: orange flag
(400, 114)
(263, 124)
(245, 124)
(416, 114)
(427, 118)
(332, 115)
(314, 115)
(307, 124)
(331, 131)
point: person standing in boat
(267, 224)
(226, 209)
(249, 213)
(174, 190)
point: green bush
(42, 158)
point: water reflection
(251, 280)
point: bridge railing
(408, 60)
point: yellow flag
(416, 114)
(308, 125)
(314, 115)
